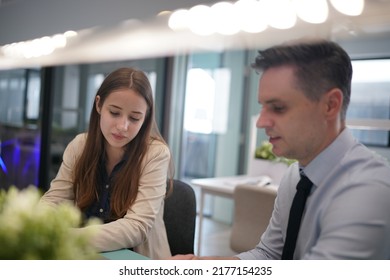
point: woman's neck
(113, 157)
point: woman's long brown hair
(126, 181)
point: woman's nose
(123, 124)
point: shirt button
(107, 186)
(101, 210)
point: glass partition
(369, 110)
(19, 127)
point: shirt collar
(118, 166)
(323, 164)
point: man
(304, 91)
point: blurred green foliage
(30, 230)
(264, 151)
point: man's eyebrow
(271, 101)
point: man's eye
(278, 109)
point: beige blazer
(142, 228)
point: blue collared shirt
(101, 207)
(347, 214)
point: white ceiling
(149, 36)
(29, 19)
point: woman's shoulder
(156, 144)
(77, 142)
(79, 139)
(75, 147)
(158, 148)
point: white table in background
(223, 187)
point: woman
(118, 170)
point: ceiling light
(178, 20)
(350, 8)
(225, 20)
(250, 16)
(200, 20)
(280, 13)
(312, 11)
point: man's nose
(263, 121)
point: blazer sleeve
(61, 187)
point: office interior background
(205, 90)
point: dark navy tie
(294, 220)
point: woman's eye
(114, 113)
(134, 119)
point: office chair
(253, 206)
(180, 218)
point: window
(207, 100)
(369, 111)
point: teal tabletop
(123, 254)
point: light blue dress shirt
(347, 214)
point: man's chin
(277, 152)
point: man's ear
(333, 103)
(97, 104)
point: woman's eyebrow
(120, 108)
(137, 112)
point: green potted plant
(30, 230)
(264, 151)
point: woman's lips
(118, 136)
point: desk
(123, 254)
(224, 187)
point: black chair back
(180, 218)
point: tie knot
(304, 184)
